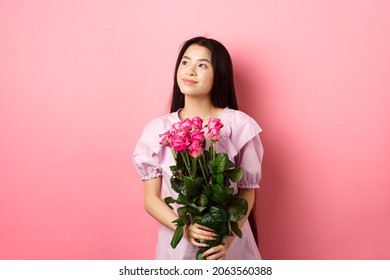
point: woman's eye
(202, 65)
(184, 62)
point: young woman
(203, 87)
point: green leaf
(193, 210)
(193, 187)
(178, 222)
(207, 191)
(207, 220)
(234, 174)
(221, 194)
(224, 229)
(237, 209)
(219, 179)
(199, 254)
(173, 168)
(201, 200)
(182, 199)
(196, 219)
(218, 214)
(168, 200)
(177, 184)
(188, 184)
(221, 161)
(236, 229)
(182, 211)
(183, 214)
(213, 168)
(177, 236)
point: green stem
(213, 149)
(186, 162)
(174, 155)
(204, 163)
(201, 167)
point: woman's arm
(155, 206)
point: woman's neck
(199, 108)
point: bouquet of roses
(202, 177)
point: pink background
(80, 78)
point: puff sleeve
(146, 155)
(249, 159)
(245, 137)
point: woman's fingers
(196, 243)
(204, 227)
(197, 234)
(197, 231)
(215, 253)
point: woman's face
(195, 74)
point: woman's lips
(189, 82)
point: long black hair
(222, 92)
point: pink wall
(79, 80)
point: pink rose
(214, 123)
(214, 134)
(179, 145)
(196, 149)
(176, 126)
(165, 139)
(185, 124)
(197, 123)
(214, 126)
(180, 140)
(197, 136)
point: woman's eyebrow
(201, 59)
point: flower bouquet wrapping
(202, 178)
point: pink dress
(239, 139)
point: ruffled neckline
(177, 118)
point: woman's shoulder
(238, 120)
(238, 129)
(156, 126)
(161, 123)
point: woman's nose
(191, 71)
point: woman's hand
(216, 253)
(197, 232)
